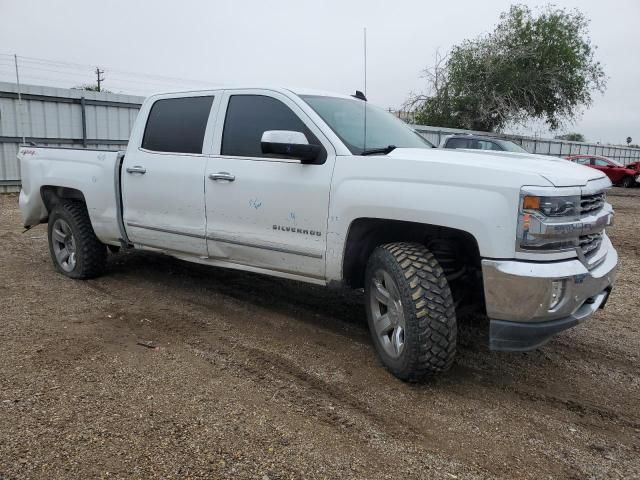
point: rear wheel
(75, 250)
(627, 182)
(410, 311)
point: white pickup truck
(331, 190)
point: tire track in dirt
(275, 373)
(576, 405)
(267, 368)
(255, 360)
(565, 411)
(335, 405)
(587, 408)
(294, 387)
(309, 395)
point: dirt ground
(262, 378)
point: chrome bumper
(518, 296)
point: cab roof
(300, 91)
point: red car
(619, 174)
(634, 166)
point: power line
(60, 83)
(90, 75)
(31, 69)
(76, 66)
(63, 79)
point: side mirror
(289, 144)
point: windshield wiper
(374, 151)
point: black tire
(430, 330)
(627, 182)
(90, 255)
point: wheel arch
(365, 234)
(52, 195)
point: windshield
(513, 147)
(613, 162)
(346, 117)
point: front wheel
(410, 311)
(627, 182)
(75, 250)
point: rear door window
(457, 143)
(486, 145)
(177, 125)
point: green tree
(532, 66)
(573, 137)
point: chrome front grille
(593, 203)
(589, 244)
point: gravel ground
(262, 378)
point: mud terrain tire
(417, 339)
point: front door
(263, 210)
(609, 169)
(163, 180)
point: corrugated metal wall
(557, 148)
(60, 117)
(64, 117)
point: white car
(330, 190)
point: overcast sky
(314, 44)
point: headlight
(568, 206)
(549, 223)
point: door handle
(222, 176)
(137, 169)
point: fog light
(557, 292)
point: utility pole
(99, 78)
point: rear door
(163, 179)
(264, 210)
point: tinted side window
(600, 163)
(486, 145)
(249, 116)
(582, 160)
(177, 125)
(457, 143)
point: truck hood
(557, 171)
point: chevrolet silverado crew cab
(330, 190)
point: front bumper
(520, 302)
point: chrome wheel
(64, 245)
(387, 313)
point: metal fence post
(84, 122)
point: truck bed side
(93, 173)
